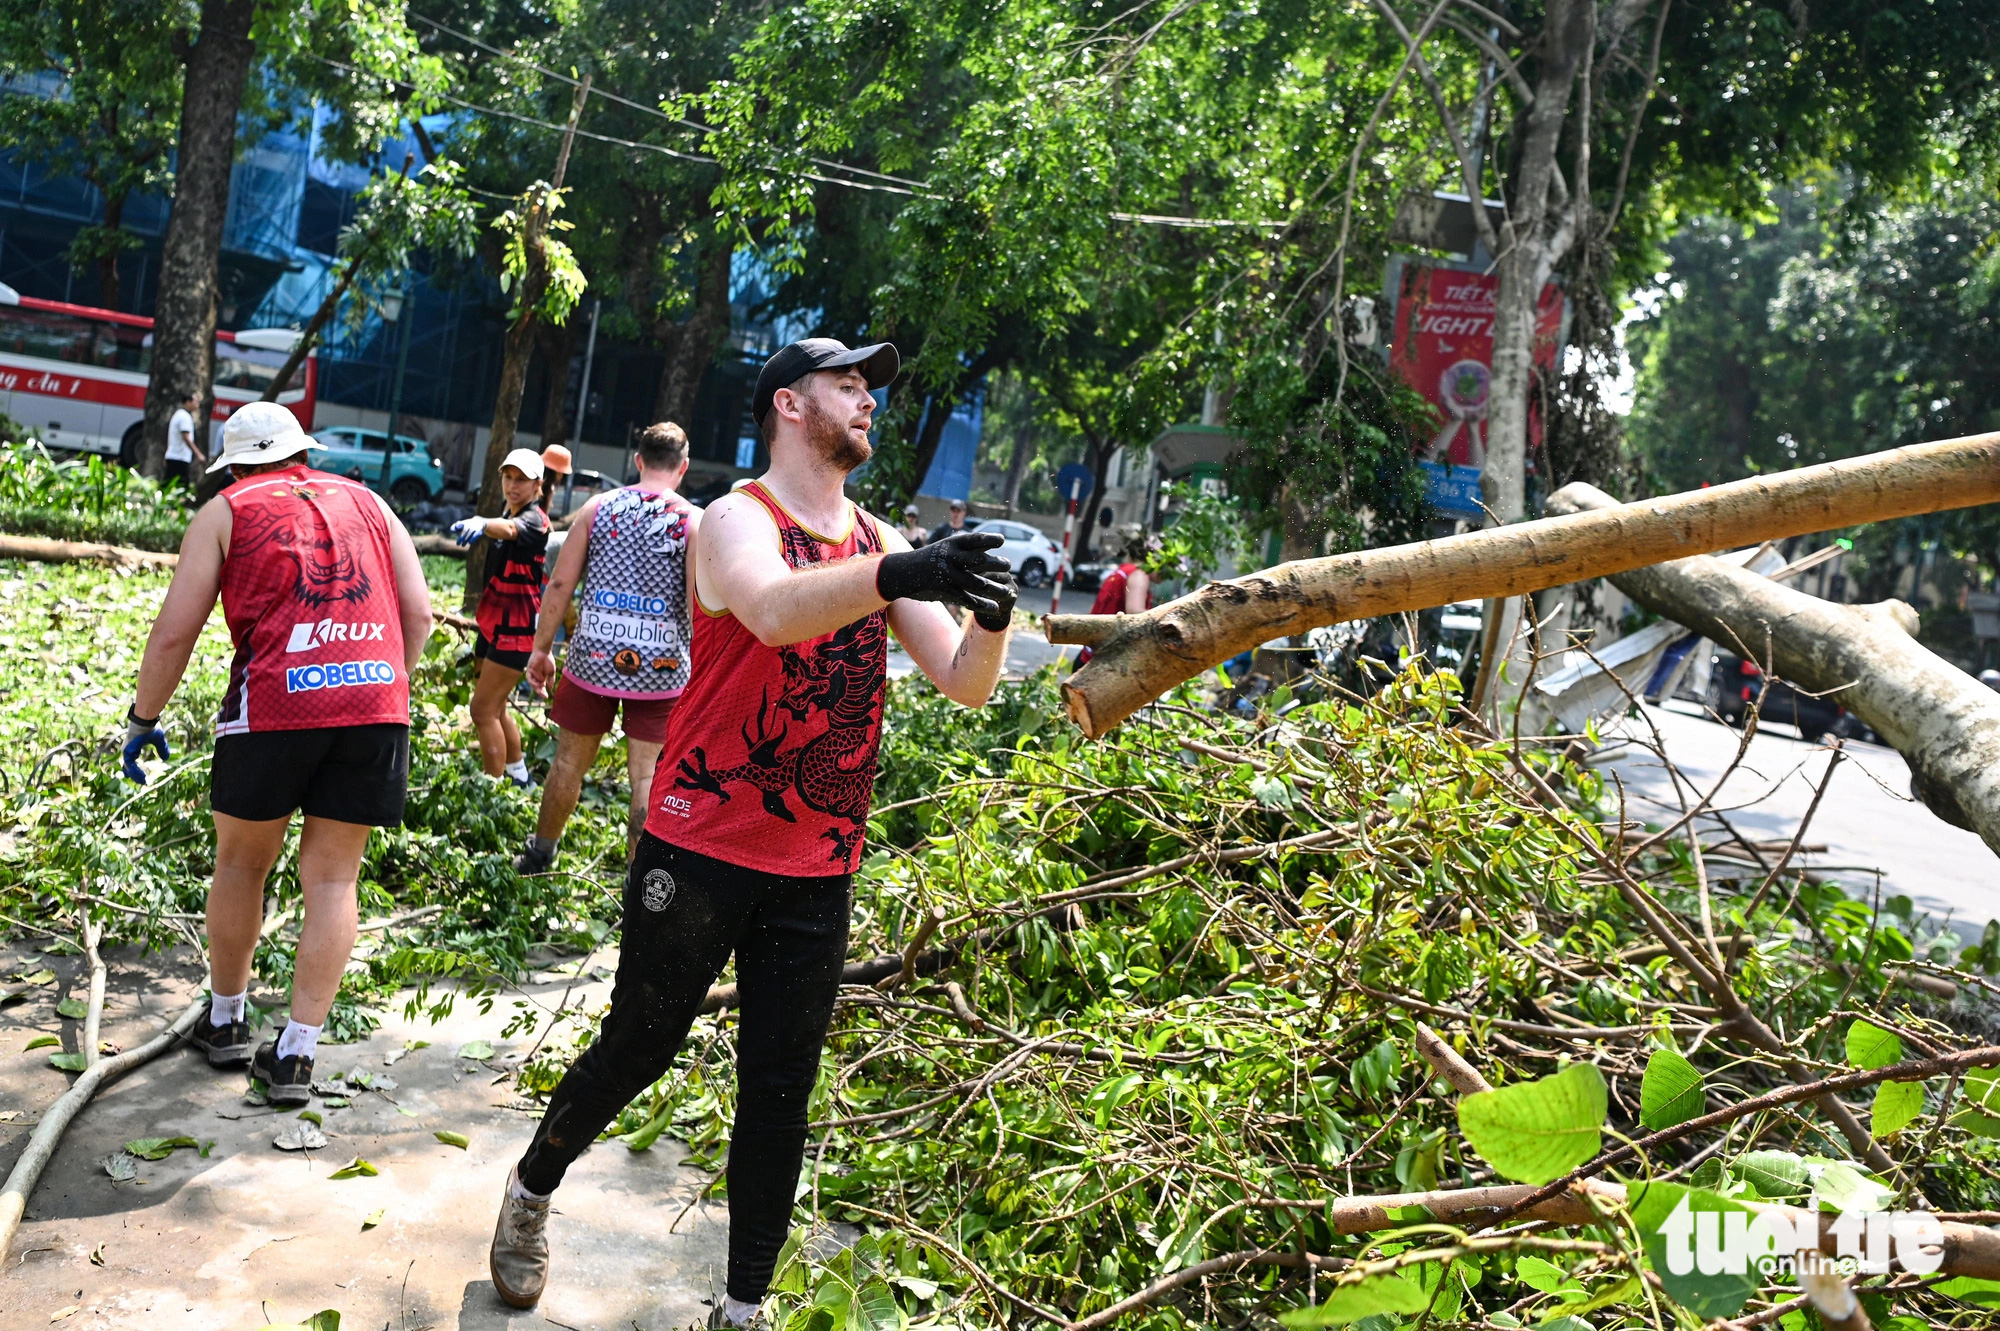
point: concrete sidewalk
(251, 1235)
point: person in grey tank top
(624, 566)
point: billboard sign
(1442, 345)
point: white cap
(261, 432)
(526, 461)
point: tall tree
(111, 90)
(367, 44)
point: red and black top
(309, 594)
(770, 756)
(1111, 601)
(512, 596)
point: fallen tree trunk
(1945, 723)
(48, 1133)
(46, 551)
(1139, 657)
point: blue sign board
(1073, 482)
(1453, 491)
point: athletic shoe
(533, 859)
(227, 1045)
(524, 782)
(719, 1319)
(287, 1081)
(519, 1257)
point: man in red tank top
(326, 604)
(761, 798)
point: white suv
(1034, 557)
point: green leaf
(374, 1217)
(312, 1116)
(1870, 1047)
(159, 1148)
(1984, 1293)
(67, 1062)
(355, 1168)
(40, 1042)
(1662, 1230)
(458, 1139)
(1541, 1275)
(476, 1050)
(1897, 1105)
(874, 1308)
(1840, 1186)
(1778, 1174)
(42, 976)
(1671, 1092)
(1273, 792)
(1568, 1322)
(1981, 1088)
(1351, 1303)
(649, 1132)
(1535, 1131)
(327, 1320)
(1981, 1125)
(74, 1008)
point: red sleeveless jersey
(770, 754)
(309, 593)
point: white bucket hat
(261, 432)
(526, 461)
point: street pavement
(1872, 829)
(1027, 651)
(239, 1234)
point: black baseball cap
(879, 365)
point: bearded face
(829, 432)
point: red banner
(1442, 345)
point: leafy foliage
(87, 499)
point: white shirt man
(181, 450)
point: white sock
(520, 1193)
(518, 769)
(298, 1039)
(738, 1313)
(225, 1008)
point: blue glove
(467, 530)
(141, 735)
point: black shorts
(484, 650)
(350, 774)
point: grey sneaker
(717, 1318)
(227, 1046)
(519, 1258)
(287, 1081)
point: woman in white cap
(508, 605)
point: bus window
(59, 337)
(235, 369)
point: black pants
(684, 914)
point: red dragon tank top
(309, 594)
(770, 755)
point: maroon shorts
(584, 711)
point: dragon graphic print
(772, 750)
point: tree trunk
(691, 345)
(311, 335)
(1100, 451)
(1529, 249)
(499, 442)
(1945, 723)
(108, 293)
(558, 351)
(1017, 467)
(1139, 657)
(184, 315)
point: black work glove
(959, 570)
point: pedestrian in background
(508, 605)
(183, 454)
(913, 528)
(952, 525)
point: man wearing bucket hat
(761, 799)
(326, 604)
(508, 605)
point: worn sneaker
(533, 859)
(718, 1317)
(519, 1257)
(287, 1081)
(227, 1045)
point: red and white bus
(76, 376)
